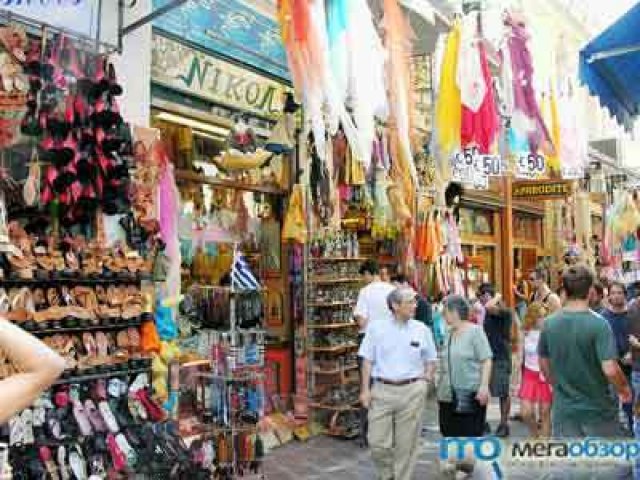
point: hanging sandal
(108, 416)
(78, 463)
(46, 458)
(117, 457)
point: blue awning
(610, 67)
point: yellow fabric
(295, 227)
(551, 119)
(449, 106)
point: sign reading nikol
(180, 67)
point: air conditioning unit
(610, 147)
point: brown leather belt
(397, 383)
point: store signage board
(79, 16)
(179, 67)
(530, 166)
(572, 173)
(230, 28)
(541, 189)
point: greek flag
(241, 276)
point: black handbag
(463, 399)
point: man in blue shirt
(616, 315)
(399, 359)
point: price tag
(572, 173)
(530, 165)
(472, 168)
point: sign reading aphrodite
(541, 189)
(191, 71)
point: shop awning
(610, 67)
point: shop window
(476, 222)
(527, 229)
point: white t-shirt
(531, 359)
(372, 302)
(398, 351)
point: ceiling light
(189, 122)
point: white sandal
(109, 418)
(78, 464)
(27, 420)
(16, 430)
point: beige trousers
(395, 420)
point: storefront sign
(530, 165)
(182, 68)
(80, 16)
(230, 28)
(541, 190)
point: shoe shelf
(92, 328)
(75, 280)
(103, 375)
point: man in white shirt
(399, 358)
(372, 299)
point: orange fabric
(149, 339)
(430, 241)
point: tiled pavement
(333, 459)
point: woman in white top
(535, 390)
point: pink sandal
(117, 457)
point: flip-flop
(46, 457)
(117, 457)
(82, 419)
(108, 417)
(16, 430)
(127, 450)
(155, 411)
(97, 422)
(62, 463)
(27, 421)
(78, 463)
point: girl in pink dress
(535, 391)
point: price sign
(530, 165)
(473, 168)
(572, 173)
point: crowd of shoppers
(574, 358)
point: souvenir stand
(82, 256)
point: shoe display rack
(332, 285)
(225, 400)
(68, 280)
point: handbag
(463, 399)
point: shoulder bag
(463, 399)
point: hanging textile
(526, 119)
(550, 115)
(573, 140)
(448, 104)
(398, 37)
(480, 128)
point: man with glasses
(399, 360)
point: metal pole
(152, 16)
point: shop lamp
(195, 124)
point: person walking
(499, 326)
(424, 311)
(634, 344)
(371, 307)
(542, 293)
(616, 314)
(521, 293)
(578, 356)
(535, 391)
(596, 298)
(398, 360)
(465, 370)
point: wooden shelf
(333, 326)
(193, 177)
(337, 259)
(338, 408)
(336, 349)
(331, 304)
(333, 281)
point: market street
(328, 458)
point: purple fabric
(523, 95)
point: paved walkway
(328, 458)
